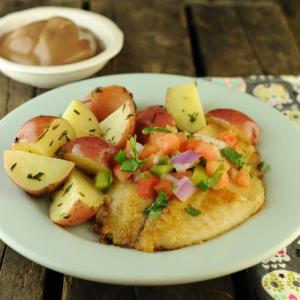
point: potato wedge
(184, 104)
(44, 135)
(82, 119)
(36, 174)
(119, 125)
(76, 202)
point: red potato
(91, 154)
(244, 126)
(44, 135)
(105, 100)
(76, 202)
(152, 116)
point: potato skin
(104, 101)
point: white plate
(25, 227)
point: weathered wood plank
(67, 3)
(77, 289)
(20, 278)
(270, 38)
(2, 248)
(291, 10)
(3, 94)
(156, 37)
(220, 289)
(8, 6)
(221, 41)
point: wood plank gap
(86, 5)
(195, 44)
(53, 285)
(243, 288)
(2, 256)
(263, 71)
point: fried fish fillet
(221, 210)
(125, 224)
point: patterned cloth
(277, 277)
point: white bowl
(52, 76)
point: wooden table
(203, 38)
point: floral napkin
(277, 277)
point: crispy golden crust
(125, 224)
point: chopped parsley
(192, 211)
(193, 117)
(37, 176)
(262, 166)
(64, 134)
(129, 164)
(238, 159)
(206, 184)
(156, 208)
(76, 112)
(55, 126)
(149, 130)
(13, 166)
(67, 190)
(129, 116)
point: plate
(25, 227)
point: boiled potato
(82, 119)
(184, 104)
(36, 174)
(76, 202)
(44, 135)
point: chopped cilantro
(156, 208)
(149, 130)
(129, 164)
(238, 159)
(262, 166)
(212, 181)
(37, 176)
(192, 211)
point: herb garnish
(98, 90)
(149, 130)
(129, 164)
(262, 166)
(90, 119)
(13, 166)
(64, 134)
(37, 176)
(60, 204)
(81, 194)
(92, 130)
(67, 190)
(55, 126)
(76, 112)
(212, 181)
(156, 208)
(44, 133)
(192, 211)
(51, 143)
(193, 117)
(129, 116)
(123, 107)
(238, 159)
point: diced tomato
(122, 176)
(190, 145)
(145, 186)
(224, 181)
(179, 175)
(164, 186)
(208, 151)
(212, 166)
(167, 143)
(148, 150)
(243, 178)
(229, 138)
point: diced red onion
(185, 160)
(184, 189)
(210, 140)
